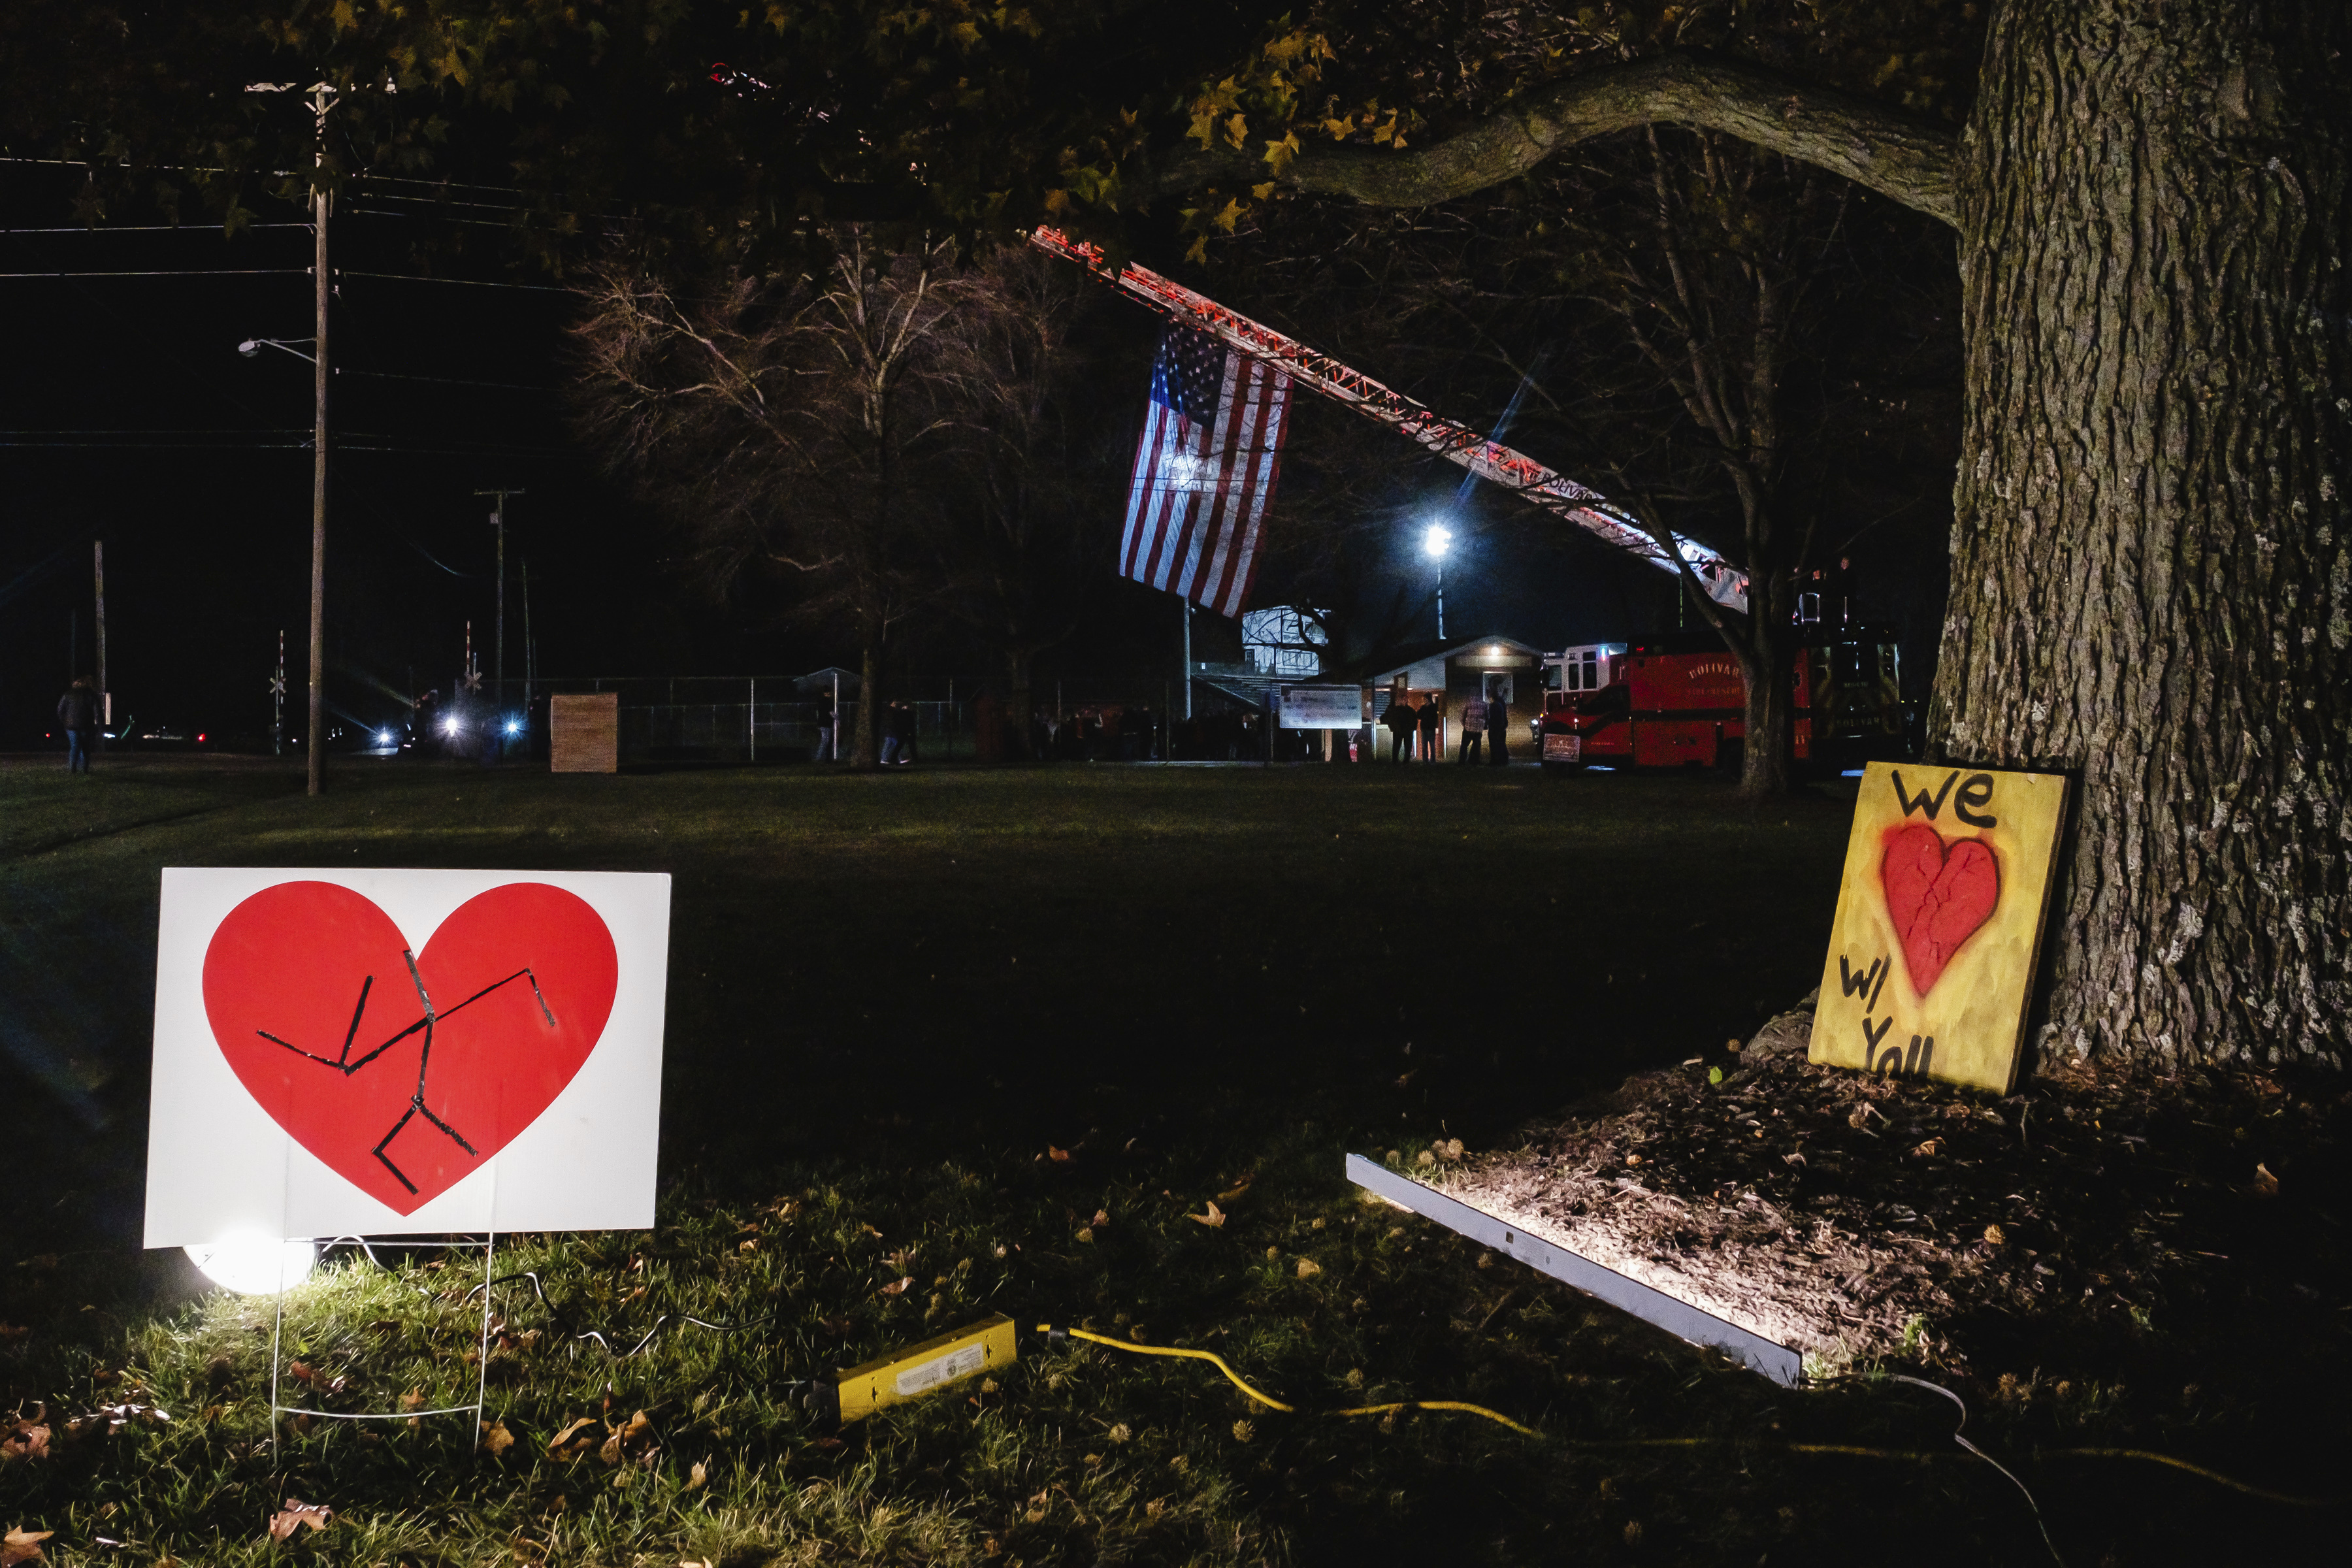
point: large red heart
(316, 1004)
(1936, 896)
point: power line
(150, 228)
(467, 282)
(181, 272)
(446, 380)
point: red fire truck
(1676, 701)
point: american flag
(1204, 471)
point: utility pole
(529, 649)
(277, 700)
(97, 568)
(498, 647)
(322, 98)
(1186, 606)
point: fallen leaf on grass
(898, 1287)
(569, 1444)
(1238, 1190)
(1995, 1235)
(1215, 1216)
(869, 1230)
(496, 1438)
(298, 1515)
(698, 1476)
(1931, 1147)
(2265, 1182)
(1059, 1156)
(22, 1546)
(1309, 1268)
(1102, 1219)
(25, 1441)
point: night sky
(129, 416)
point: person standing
(823, 725)
(1433, 729)
(1398, 719)
(79, 713)
(899, 734)
(1474, 724)
(1498, 730)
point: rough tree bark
(2151, 555)
(2150, 576)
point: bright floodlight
(253, 1265)
(384, 737)
(1436, 541)
(248, 348)
(514, 726)
(451, 726)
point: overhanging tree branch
(1905, 159)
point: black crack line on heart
(341, 1062)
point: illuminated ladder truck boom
(1489, 459)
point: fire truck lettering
(1977, 792)
(1931, 803)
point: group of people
(1482, 718)
(897, 731)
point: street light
(1434, 542)
(252, 347)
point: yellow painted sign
(1931, 962)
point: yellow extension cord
(1214, 1359)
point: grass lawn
(889, 997)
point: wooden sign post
(1931, 961)
(584, 734)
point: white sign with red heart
(371, 1053)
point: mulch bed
(1860, 1218)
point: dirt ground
(1861, 1218)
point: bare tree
(1013, 547)
(793, 425)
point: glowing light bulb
(1436, 540)
(253, 1265)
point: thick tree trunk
(1017, 662)
(2151, 558)
(867, 738)
(1769, 746)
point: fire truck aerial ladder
(1489, 459)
